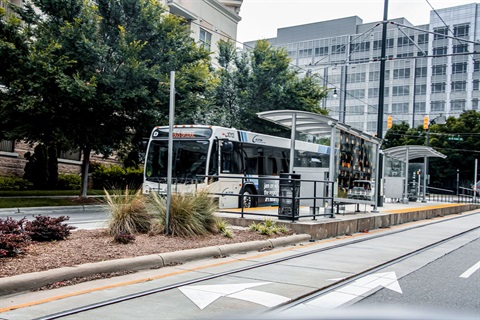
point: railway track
(303, 298)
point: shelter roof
(312, 123)
(414, 152)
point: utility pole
(381, 92)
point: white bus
(230, 154)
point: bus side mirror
(227, 147)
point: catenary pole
(381, 92)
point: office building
(431, 69)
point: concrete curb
(30, 281)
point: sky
(262, 18)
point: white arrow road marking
(264, 298)
(202, 296)
(471, 270)
(357, 289)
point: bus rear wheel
(248, 200)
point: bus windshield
(189, 160)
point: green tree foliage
(458, 139)
(401, 134)
(261, 80)
(94, 75)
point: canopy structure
(311, 123)
(407, 153)
(317, 124)
(412, 152)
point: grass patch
(35, 193)
(35, 202)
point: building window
(439, 70)
(476, 66)
(420, 89)
(460, 67)
(475, 104)
(437, 106)
(400, 91)
(421, 72)
(439, 51)
(420, 107)
(422, 38)
(7, 145)
(377, 44)
(360, 47)
(401, 73)
(440, 33)
(460, 48)
(338, 49)
(458, 86)
(356, 109)
(400, 108)
(69, 155)
(457, 105)
(438, 87)
(205, 39)
(356, 77)
(405, 55)
(304, 53)
(322, 51)
(356, 94)
(461, 30)
(405, 41)
(475, 84)
(375, 75)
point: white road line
(471, 270)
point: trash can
(288, 209)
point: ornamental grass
(128, 212)
(190, 214)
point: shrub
(45, 228)
(13, 237)
(190, 214)
(14, 184)
(222, 227)
(114, 176)
(68, 182)
(128, 212)
(267, 227)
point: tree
(95, 74)
(459, 140)
(262, 80)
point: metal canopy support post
(424, 179)
(377, 182)
(292, 142)
(331, 169)
(405, 195)
(475, 182)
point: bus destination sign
(183, 133)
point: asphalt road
(451, 282)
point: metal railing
(291, 201)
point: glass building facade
(431, 69)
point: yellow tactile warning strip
(137, 281)
(440, 206)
